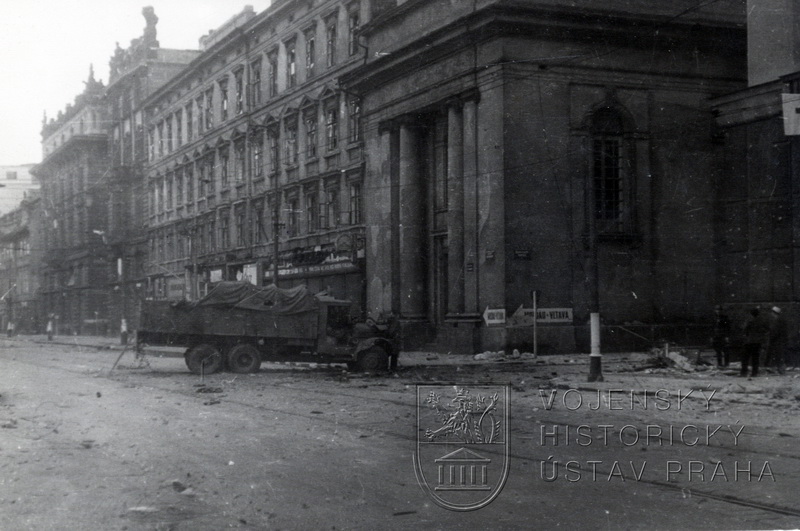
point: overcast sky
(46, 47)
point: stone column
(455, 208)
(471, 258)
(379, 230)
(411, 226)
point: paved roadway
(150, 446)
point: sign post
(535, 297)
(494, 316)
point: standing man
(720, 337)
(755, 333)
(778, 338)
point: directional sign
(524, 316)
(494, 316)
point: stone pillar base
(414, 333)
(459, 334)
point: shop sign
(176, 288)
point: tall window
(199, 246)
(179, 127)
(161, 139)
(153, 200)
(224, 162)
(209, 114)
(330, 41)
(611, 191)
(291, 63)
(311, 135)
(189, 124)
(354, 120)
(241, 226)
(200, 114)
(310, 52)
(179, 187)
(189, 176)
(211, 231)
(273, 216)
(239, 160)
(272, 73)
(353, 22)
(274, 149)
(332, 127)
(258, 221)
(223, 99)
(312, 210)
(224, 235)
(151, 144)
(355, 203)
(170, 197)
(291, 225)
(238, 80)
(331, 208)
(169, 134)
(255, 82)
(204, 177)
(257, 155)
(291, 141)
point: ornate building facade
(20, 253)
(256, 156)
(74, 186)
(134, 74)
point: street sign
(524, 316)
(495, 316)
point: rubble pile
(502, 355)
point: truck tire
(244, 358)
(374, 359)
(203, 359)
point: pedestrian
(49, 329)
(755, 334)
(10, 328)
(721, 336)
(778, 339)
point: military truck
(239, 325)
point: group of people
(766, 338)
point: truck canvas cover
(235, 309)
(243, 295)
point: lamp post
(276, 227)
(593, 273)
(123, 322)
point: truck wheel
(203, 359)
(374, 359)
(244, 358)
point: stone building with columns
(519, 146)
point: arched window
(611, 180)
